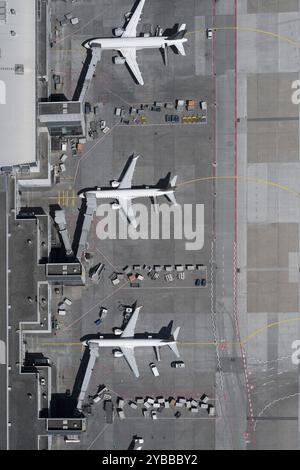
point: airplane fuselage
(128, 193)
(137, 43)
(128, 342)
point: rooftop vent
(19, 69)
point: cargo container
(190, 105)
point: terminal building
(27, 116)
(26, 376)
(25, 31)
(18, 90)
(30, 117)
(62, 119)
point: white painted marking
(2, 352)
(2, 92)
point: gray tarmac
(251, 245)
(184, 149)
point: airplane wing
(127, 178)
(129, 356)
(130, 30)
(130, 57)
(126, 207)
(128, 331)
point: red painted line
(243, 352)
(214, 172)
(214, 121)
(235, 120)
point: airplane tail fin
(173, 181)
(176, 333)
(172, 199)
(172, 184)
(165, 54)
(169, 182)
(180, 48)
(173, 345)
(178, 36)
(180, 33)
(174, 348)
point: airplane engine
(118, 60)
(115, 184)
(118, 32)
(115, 206)
(117, 353)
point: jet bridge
(94, 353)
(91, 207)
(60, 220)
(91, 67)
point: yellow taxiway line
(208, 343)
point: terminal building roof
(17, 82)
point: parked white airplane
(126, 343)
(128, 43)
(123, 192)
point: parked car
(103, 313)
(209, 33)
(175, 118)
(177, 364)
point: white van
(154, 369)
(209, 33)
